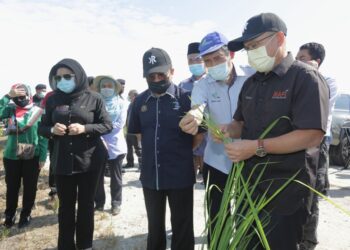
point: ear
(172, 71)
(318, 62)
(280, 38)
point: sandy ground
(128, 230)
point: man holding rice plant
(281, 87)
(217, 93)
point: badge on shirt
(176, 105)
(143, 108)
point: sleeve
(5, 110)
(310, 103)
(120, 121)
(199, 94)
(102, 123)
(46, 123)
(134, 126)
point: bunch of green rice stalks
(240, 218)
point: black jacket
(78, 153)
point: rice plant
(240, 218)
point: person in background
(132, 140)
(115, 142)
(24, 118)
(167, 162)
(122, 82)
(281, 87)
(195, 65)
(198, 71)
(217, 93)
(40, 90)
(75, 118)
(91, 82)
(314, 54)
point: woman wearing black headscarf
(75, 118)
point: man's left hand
(241, 150)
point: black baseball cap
(257, 25)
(156, 60)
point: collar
(282, 68)
(170, 91)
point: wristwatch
(260, 150)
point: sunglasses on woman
(67, 77)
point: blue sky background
(110, 37)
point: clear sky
(110, 36)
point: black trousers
(181, 209)
(15, 172)
(69, 188)
(115, 167)
(133, 143)
(52, 183)
(282, 231)
(218, 179)
(322, 185)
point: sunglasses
(58, 78)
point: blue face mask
(67, 86)
(219, 72)
(107, 92)
(197, 69)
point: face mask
(20, 101)
(159, 87)
(197, 69)
(219, 72)
(41, 95)
(67, 86)
(107, 92)
(260, 60)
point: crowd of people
(81, 124)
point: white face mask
(260, 60)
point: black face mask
(159, 87)
(20, 101)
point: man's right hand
(189, 124)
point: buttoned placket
(156, 142)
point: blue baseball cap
(212, 42)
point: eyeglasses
(256, 44)
(58, 78)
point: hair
(91, 80)
(133, 92)
(316, 51)
(225, 50)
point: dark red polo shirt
(295, 90)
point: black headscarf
(81, 79)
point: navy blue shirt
(167, 161)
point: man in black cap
(280, 87)
(40, 90)
(167, 165)
(198, 71)
(195, 65)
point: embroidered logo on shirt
(215, 97)
(279, 94)
(152, 60)
(143, 108)
(248, 97)
(176, 105)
